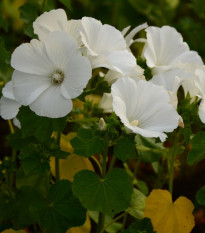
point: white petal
(169, 79)
(100, 39)
(136, 73)
(106, 103)
(17, 123)
(146, 103)
(7, 91)
(190, 87)
(8, 108)
(31, 58)
(125, 30)
(202, 111)
(72, 27)
(89, 33)
(165, 47)
(53, 20)
(78, 72)
(173, 99)
(27, 87)
(121, 61)
(110, 39)
(60, 48)
(129, 37)
(51, 103)
(200, 79)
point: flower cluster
(55, 69)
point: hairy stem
(101, 218)
(57, 165)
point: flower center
(57, 77)
(135, 123)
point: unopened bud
(101, 124)
(181, 123)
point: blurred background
(187, 16)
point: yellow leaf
(86, 228)
(12, 231)
(169, 217)
(73, 164)
(11, 10)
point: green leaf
(61, 211)
(200, 196)
(137, 204)
(24, 199)
(3, 23)
(197, 151)
(142, 226)
(66, 3)
(40, 127)
(109, 195)
(114, 227)
(34, 160)
(18, 142)
(35, 180)
(86, 143)
(28, 12)
(148, 150)
(5, 55)
(142, 186)
(7, 208)
(125, 149)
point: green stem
(171, 173)
(43, 6)
(172, 157)
(101, 218)
(11, 127)
(112, 163)
(124, 221)
(13, 158)
(57, 164)
(113, 221)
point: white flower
(144, 108)
(200, 84)
(49, 73)
(9, 107)
(129, 36)
(189, 84)
(165, 48)
(106, 103)
(56, 20)
(136, 73)
(171, 82)
(105, 46)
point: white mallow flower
(130, 35)
(106, 103)
(9, 106)
(165, 48)
(56, 20)
(200, 84)
(189, 85)
(49, 73)
(144, 108)
(170, 81)
(136, 73)
(105, 46)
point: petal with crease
(28, 87)
(51, 103)
(8, 108)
